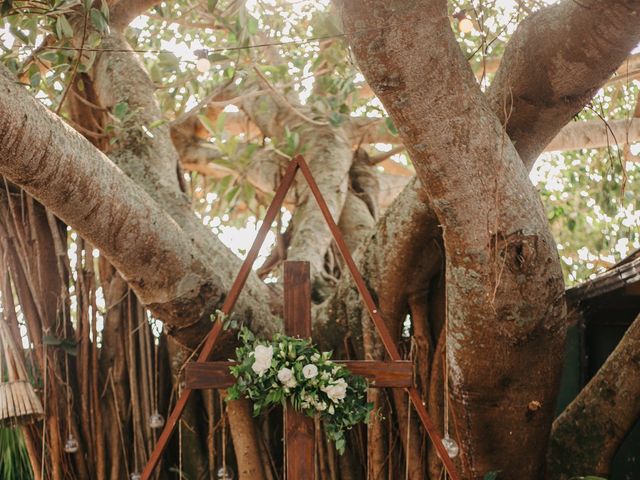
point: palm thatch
(19, 403)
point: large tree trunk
(505, 330)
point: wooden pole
(299, 429)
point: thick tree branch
(588, 433)
(124, 11)
(555, 62)
(595, 134)
(329, 155)
(176, 280)
(504, 283)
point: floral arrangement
(288, 368)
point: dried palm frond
(19, 403)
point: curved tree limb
(177, 281)
(329, 155)
(555, 62)
(124, 11)
(587, 435)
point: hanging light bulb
(135, 476)
(156, 421)
(465, 25)
(71, 445)
(451, 446)
(225, 473)
(203, 65)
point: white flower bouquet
(288, 368)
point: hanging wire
(208, 51)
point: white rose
(310, 371)
(336, 391)
(321, 406)
(260, 367)
(263, 356)
(287, 378)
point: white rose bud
(310, 371)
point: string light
(71, 445)
(203, 65)
(156, 421)
(225, 473)
(451, 446)
(465, 25)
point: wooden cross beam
(299, 430)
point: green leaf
(99, 20)
(50, 340)
(252, 25)
(70, 347)
(168, 60)
(63, 27)
(390, 126)
(491, 475)
(34, 80)
(120, 110)
(217, 58)
(48, 56)
(207, 124)
(211, 5)
(104, 9)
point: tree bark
(543, 82)
(587, 435)
(504, 283)
(179, 282)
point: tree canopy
(141, 142)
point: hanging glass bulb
(135, 476)
(71, 445)
(465, 25)
(225, 473)
(156, 421)
(451, 446)
(203, 65)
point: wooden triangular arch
(299, 163)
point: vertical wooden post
(300, 429)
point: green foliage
(287, 368)
(591, 196)
(14, 460)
